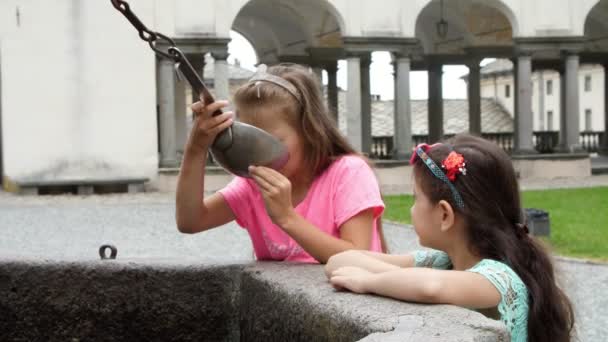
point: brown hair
(494, 218)
(323, 142)
(308, 114)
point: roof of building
(497, 66)
(235, 71)
(494, 118)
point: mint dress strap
(513, 306)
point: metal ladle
(240, 145)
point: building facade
(83, 97)
(498, 83)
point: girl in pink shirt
(325, 200)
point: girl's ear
(447, 215)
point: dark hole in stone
(110, 188)
(57, 190)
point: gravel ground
(142, 226)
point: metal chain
(182, 65)
(144, 33)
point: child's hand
(206, 126)
(346, 258)
(276, 191)
(351, 278)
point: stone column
(318, 71)
(562, 107)
(402, 136)
(435, 103)
(353, 102)
(474, 97)
(166, 113)
(366, 105)
(523, 106)
(604, 143)
(181, 117)
(220, 70)
(332, 89)
(541, 100)
(198, 63)
(569, 118)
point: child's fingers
(262, 183)
(197, 106)
(343, 271)
(209, 124)
(260, 172)
(200, 107)
(280, 182)
(337, 287)
(222, 126)
(338, 282)
(216, 120)
(270, 174)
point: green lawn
(579, 218)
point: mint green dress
(513, 306)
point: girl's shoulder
(514, 305)
(499, 273)
(348, 162)
(240, 186)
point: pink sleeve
(236, 194)
(356, 190)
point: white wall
(494, 87)
(593, 99)
(552, 102)
(390, 17)
(78, 92)
(78, 85)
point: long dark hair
(323, 141)
(495, 226)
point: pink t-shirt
(347, 187)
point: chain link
(144, 33)
(182, 65)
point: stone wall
(186, 300)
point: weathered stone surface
(117, 301)
(185, 300)
(295, 302)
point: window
(549, 87)
(588, 120)
(550, 120)
(507, 91)
(587, 83)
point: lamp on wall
(442, 25)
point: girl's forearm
(315, 242)
(403, 260)
(190, 190)
(357, 258)
(415, 284)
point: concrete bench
(83, 186)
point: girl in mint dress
(467, 211)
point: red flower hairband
(453, 164)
